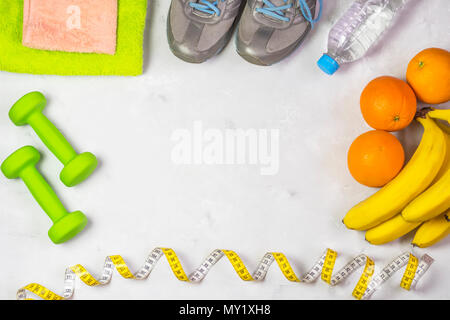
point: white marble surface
(139, 199)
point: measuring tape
(323, 268)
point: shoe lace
(278, 12)
(207, 6)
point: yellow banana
(390, 230)
(432, 231)
(442, 114)
(444, 127)
(446, 163)
(415, 177)
(436, 199)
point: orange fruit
(375, 158)
(428, 73)
(388, 103)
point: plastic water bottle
(357, 30)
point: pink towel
(70, 25)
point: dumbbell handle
(52, 137)
(43, 193)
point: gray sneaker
(200, 29)
(269, 30)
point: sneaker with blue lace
(270, 30)
(200, 29)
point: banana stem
(422, 113)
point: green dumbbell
(22, 164)
(28, 110)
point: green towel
(128, 60)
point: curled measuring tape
(323, 268)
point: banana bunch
(418, 197)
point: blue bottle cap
(328, 64)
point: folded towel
(128, 59)
(70, 25)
